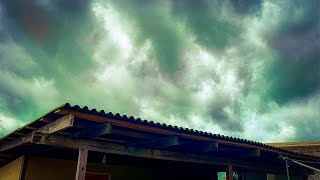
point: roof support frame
(122, 149)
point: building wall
(40, 168)
(12, 170)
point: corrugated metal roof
(132, 119)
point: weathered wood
(47, 120)
(82, 164)
(20, 134)
(254, 152)
(23, 169)
(30, 127)
(161, 131)
(158, 142)
(58, 125)
(89, 130)
(16, 142)
(229, 172)
(121, 149)
(210, 147)
(5, 155)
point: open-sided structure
(71, 142)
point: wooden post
(82, 163)
(24, 167)
(229, 172)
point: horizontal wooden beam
(89, 131)
(16, 142)
(17, 133)
(158, 142)
(161, 131)
(58, 125)
(254, 152)
(62, 123)
(30, 127)
(5, 155)
(210, 147)
(121, 149)
(47, 120)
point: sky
(242, 68)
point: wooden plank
(58, 125)
(16, 142)
(121, 149)
(82, 164)
(229, 172)
(158, 142)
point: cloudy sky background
(247, 68)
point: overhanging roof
(129, 129)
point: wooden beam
(58, 125)
(229, 172)
(62, 123)
(20, 134)
(254, 152)
(161, 131)
(45, 119)
(210, 147)
(16, 142)
(23, 169)
(92, 130)
(158, 142)
(5, 155)
(82, 164)
(121, 149)
(30, 127)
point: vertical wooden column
(24, 164)
(229, 172)
(82, 164)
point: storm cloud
(243, 68)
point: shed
(71, 142)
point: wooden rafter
(122, 149)
(161, 131)
(59, 124)
(159, 142)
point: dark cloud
(247, 6)
(154, 23)
(221, 108)
(209, 65)
(299, 43)
(293, 73)
(292, 79)
(205, 21)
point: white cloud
(8, 124)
